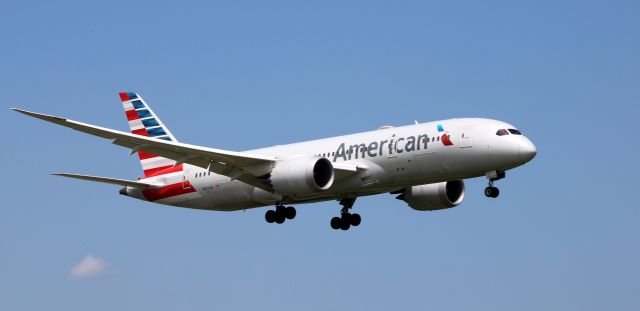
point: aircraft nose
(528, 151)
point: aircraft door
(401, 164)
(466, 140)
(186, 184)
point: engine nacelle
(432, 197)
(303, 175)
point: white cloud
(88, 267)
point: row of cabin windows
(196, 175)
(328, 154)
(503, 132)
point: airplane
(424, 164)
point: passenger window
(502, 132)
(514, 132)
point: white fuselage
(388, 159)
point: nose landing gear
(346, 219)
(280, 214)
(491, 191)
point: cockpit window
(502, 132)
(514, 132)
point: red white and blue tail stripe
(144, 122)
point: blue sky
(564, 234)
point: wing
(113, 181)
(236, 165)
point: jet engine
(436, 196)
(303, 175)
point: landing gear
(491, 191)
(346, 219)
(280, 214)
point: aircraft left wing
(236, 165)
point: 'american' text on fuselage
(375, 148)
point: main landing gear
(491, 191)
(280, 214)
(346, 219)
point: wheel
(270, 216)
(344, 225)
(488, 192)
(345, 217)
(290, 212)
(280, 218)
(336, 223)
(496, 192)
(355, 219)
(491, 192)
(280, 209)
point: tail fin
(144, 122)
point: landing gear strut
(346, 219)
(280, 214)
(491, 191)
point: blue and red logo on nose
(446, 138)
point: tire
(280, 218)
(270, 216)
(336, 223)
(290, 212)
(355, 220)
(346, 217)
(344, 225)
(491, 192)
(280, 210)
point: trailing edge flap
(113, 181)
(242, 166)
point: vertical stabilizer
(144, 122)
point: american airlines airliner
(423, 164)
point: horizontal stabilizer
(113, 181)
